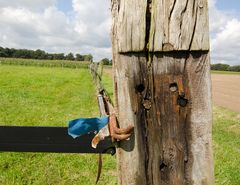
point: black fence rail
(49, 139)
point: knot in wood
(147, 104)
(200, 5)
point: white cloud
(226, 43)
(24, 28)
(40, 24)
(22, 25)
(32, 4)
(225, 37)
(217, 18)
(92, 21)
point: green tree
(220, 67)
(235, 68)
(9, 52)
(105, 61)
(88, 57)
(79, 57)
(39, 54)
(58, 56)
(70, 56)
(2, 52)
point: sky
(83, 26)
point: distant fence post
(162, 86)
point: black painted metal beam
(49, 139)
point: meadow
(49, 97)
(52, 96)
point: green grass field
(226, 137)
(49, 96)
(225, 72)
(52, 96)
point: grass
(225, 72)
(226, 137)
(45, 96)
(49, 96)
(52, 96)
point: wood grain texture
(164, 90)
(179, 25)
(174, 25)
(131, 25)
(171, 144)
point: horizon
(80, 26)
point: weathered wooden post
(163, 87)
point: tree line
(106, 61)
(42, 55)
(225, 67)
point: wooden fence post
(163, 87)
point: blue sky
(65, 5)
(228, 5)
(83, 26)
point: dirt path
(226, 91)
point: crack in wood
(170, 16)
(181, 20)
(147, 99)
(194, 30)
